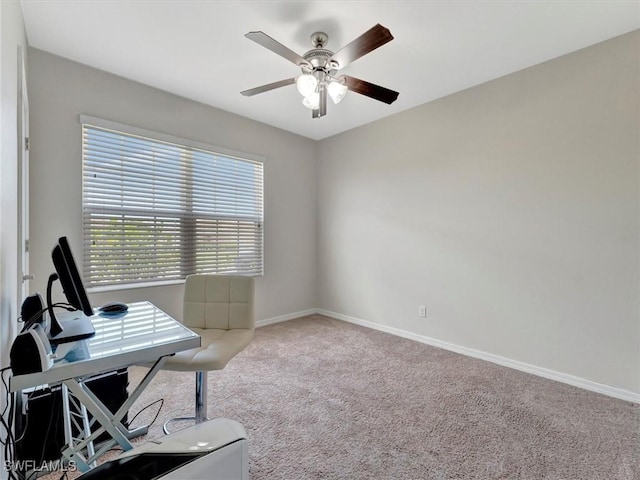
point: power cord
(55, 405)
(160, 401)
(7, 440)
(28, 322)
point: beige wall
(509, 209)
(12, 37)
(61, 90)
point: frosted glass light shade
(337, 91)
(306, 84)
(312, 102)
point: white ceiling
(197, 49)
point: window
(158, 208)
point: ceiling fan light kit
(309, 88)
(312, 101)
(337, 90)
(307, 84)
(320, 66)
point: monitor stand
(72, 330)
(68, 330)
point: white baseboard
(506, 362)
(284, 318)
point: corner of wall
(12, 38)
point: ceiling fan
(320, 67)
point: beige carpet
(324, 399)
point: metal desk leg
(108, 422)
(77, 417)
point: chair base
(201, 403)
(165, 426)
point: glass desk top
(139, 336)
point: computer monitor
(73, 288)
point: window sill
(132, 286)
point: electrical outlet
(422, 311)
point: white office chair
(220, 310)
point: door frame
(23, 179)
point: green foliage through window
(157, 211)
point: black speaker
(43, 434)
(31, 351)
(32, 310)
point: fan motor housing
(318, 57)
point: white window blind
(156, 210)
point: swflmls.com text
(33, 466)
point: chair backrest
(218, 301)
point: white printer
(212, 450)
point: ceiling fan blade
(266, 41)
(370, 90)
(268, 86)
(370, 40)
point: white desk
(145, 335)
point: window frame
(120, 128)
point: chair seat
(219, 308)
(216, 349)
